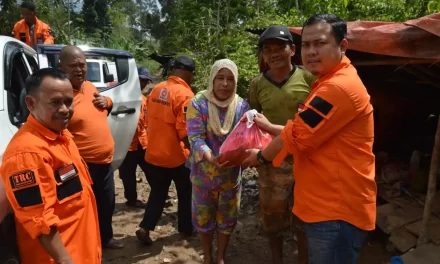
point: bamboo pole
(432, 187)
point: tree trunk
(432, 187)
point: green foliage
(434, 6)
(206, 29)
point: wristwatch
(261, 159)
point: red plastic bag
(245, 135)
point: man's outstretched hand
(100, 101)
(262, 122)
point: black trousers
(160, 180)
(127, 172)
(8, 241)
(104, 190)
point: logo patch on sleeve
(22, 179)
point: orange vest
(140, 136)
(48, 184)
(332, 140)
(167, 104)
(42, 33)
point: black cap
(184, 63)
(275, 32)
(28, 5)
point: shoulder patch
(22, 179)
(310, 117)
(321, 105)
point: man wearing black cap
(278, 93)
(136, 152)
(30, 29)
(168, 148)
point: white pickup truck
(18, 61)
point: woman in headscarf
(211, 116)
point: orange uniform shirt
(332, 140)
(42, 33)
(48, 184)
(140, 136)
(90, 128)
(167, 104)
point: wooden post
(432, 188)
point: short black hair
(339, 27)
(28, 5)
(33, 82)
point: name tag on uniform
(23, 37)
(66, 172)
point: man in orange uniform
(30, 30)
(47, 182)
(331, 139)
(93, 137)
(136, 153)
(168, 148)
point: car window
(112, 69)
(15, 87)
(32, 62)
(93, 72)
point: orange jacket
(332, 140)
(42, 33)
(140, 136)
(48, 184)
(167, 104)
(90, 128)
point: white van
(18, 61)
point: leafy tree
(9, 15)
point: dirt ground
(246, 246)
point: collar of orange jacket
(342, 64)
(44, 131)
(179, 80)
(37, 22)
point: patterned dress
(216, 192)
